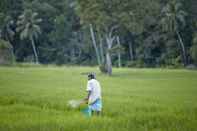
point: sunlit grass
(133, 99)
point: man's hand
(86, 100)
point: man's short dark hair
(91, 76)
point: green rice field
(35, 99)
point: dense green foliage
(152, 33)
(133, 99)
(5, 45)
(6, 53)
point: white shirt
(95, 88)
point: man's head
(91, 76)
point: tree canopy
(150, 33)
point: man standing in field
(94, 95)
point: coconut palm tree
(28, 27)
(173, 20)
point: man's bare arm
(87, 98)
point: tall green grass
(35, 99)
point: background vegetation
(156, 33)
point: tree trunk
(34, 50)
(109, 40)
(94, 44)
(182, 48)
(119, 53)
(101, 50)
(72, 55)
(131, 51)
(108, 63)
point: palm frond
(21, 16)
(37, 21)
(178, 6)
(181, 19)
(183, 13)
(195, 38)
(37, 29)
(24, 34)
(34, 15)
(19, 28)
(27, 24)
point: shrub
(137, 64)
(103, 68)
(193, 52)
(5, 44)
(6, 53)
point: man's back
(95, 88)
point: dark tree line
(133, 33)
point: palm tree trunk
(119, 53)
(101, 50)
(72, 55)
(131, 51)
(94, 44)
(182, 48)
(34, 50)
